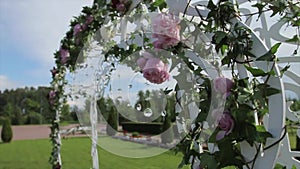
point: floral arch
(226, 80)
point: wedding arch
(218, 58)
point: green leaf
(225, 61)
(255, 71)
(198, 71)
(294, 39)
(279, 166)
(211, 5)
(260, 7)
(271, 91)
(244, 113)
(227, 154)
(167, 91)
(275, 10)
(213, 136)
(243, 82)
(208, 161)
(250, 133)
(275, 48)
(219, 36)
(266, 57)
(262, 134)
(284, 70)
(269, 56)
(224, 48)
(158, 3)
(261, 128)
(266, 90)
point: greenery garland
(231, 41)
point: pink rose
(223, 85)
(159, 44)
(165, 42)
(141, 62)
(51, 97)
(89, 19)
(156, 71)
(226, 124)
(153, 69)
(52, 94)
(167, 31)
(77, 29)
(121, 7)
(53, 71)
(84, 27)
(64, 55)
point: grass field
(34, 154)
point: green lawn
(34, 154)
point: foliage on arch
(244, 97)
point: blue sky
(30, 32)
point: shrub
(1, 120)
(6, 133)
(135, 134)
(141, 127)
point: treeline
(149, 107)
(29, 105)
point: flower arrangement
(236, 119)
(153, 69)
(166, 30)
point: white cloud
(38, 26)
(34, 28)
(6, 83)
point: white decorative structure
(94, 119)
(278, 110)
(279, 150)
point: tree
(18, 104)
(6, 133)
(65, 113)
(3, 102)
(112, 122)
(17, 118)
(8, 110)
(103, 107)
(34, 118)
(167, 128)
(142, 104)
(73, 114)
